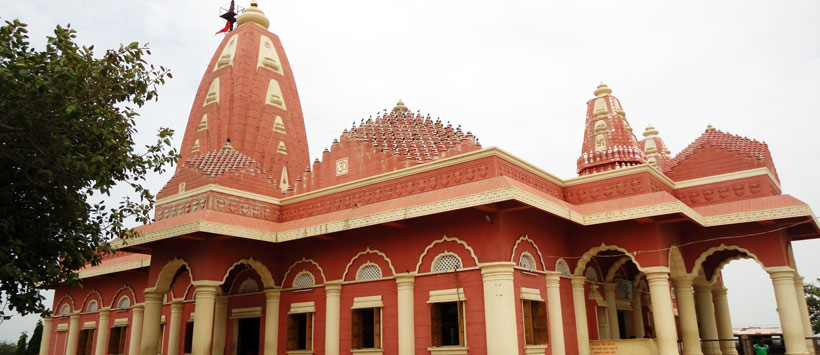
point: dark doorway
(623, 324)
(248, 336)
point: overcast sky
(515, 73)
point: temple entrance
(248, 336)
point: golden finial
(400, 107)
(650, 132)
(602, 90)
(253, 15)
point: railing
(744, 344)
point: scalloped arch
(368, 251)
(259, 267)
(610, 274)
(708, 252)
(304, 260)
(87, 297)
(538, 250)
(442, 240)
(125, 287)
(166, 275)
(582, 262)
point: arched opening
(239, 308)
(750, 283)
(620, 308)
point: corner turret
(657, 154)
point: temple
(408, 237)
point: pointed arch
(526, 238)
(260, 268)
(582, 262)
(368, 251)
(442, 240)
(122, 290)
(303, 260)
(166, 275)
(562, 267)
(66, 299)
(88, 298)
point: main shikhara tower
(408, 237)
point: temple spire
(608, 139)
(253, 15)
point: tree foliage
(813, 301)
(33, 347)
(67, 121)
(21, 344)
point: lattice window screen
(124, 303)
(92, 306)
(369, 272)
(303, 279)
(446, 262)
(527, 261)
(248, 286)
(65, 310)
(562, 267)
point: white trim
(302, 307)
(448, 295)
(62, 327)
(90, 325)
(119, 322)
(531, 294)
(448, 350)
(102, 270)
(368, 302)
(246, 312)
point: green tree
(7, 348)
(21, 344)
(67, 121)
(33, 347)
(813, 300)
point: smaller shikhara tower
(608, 139)
(245, 130)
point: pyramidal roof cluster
(246, 131)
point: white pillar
(102, 331)
(151, 323)
(499, 307)
(665, 331)
(688, 316)
(788, 310)
(45, 341)
(581, 323)
(73, 334)
(220, 323)
(271, 321)
(204, 316)
(804, 312)
(137, 311)
(556, 319)
(612, 310)
(174, 326)
(723, 319)
(333, 293)
(407, 335)
(706, 315)
(637, 312)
